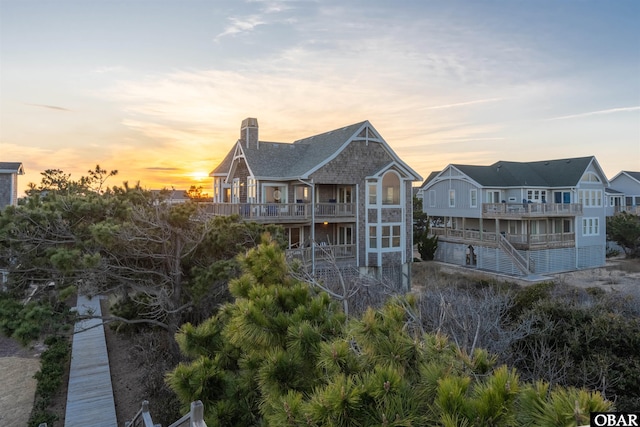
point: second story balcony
(529, 210)
(286, 212)
(633, 210)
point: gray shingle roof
(634, 175)
(545, 173)
(11, 167)
(290, 160)
(429, 178)
(282, 160)
(224, 165)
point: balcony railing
(634, 210)
(519, 210)
(267, 212)
(520, 241)
(323, 253)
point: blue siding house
(519, 218)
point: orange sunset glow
(160, 96)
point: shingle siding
(8, 189)
(357, 161)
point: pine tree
(283, 354)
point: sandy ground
(17, 385)
(619, 275)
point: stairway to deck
(90, 395)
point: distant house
(170, 196)
(625, 193)
(519, 218)
(342, 196)
(9, 172)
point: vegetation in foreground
(283, 354)
(166, 265)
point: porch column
(464, 228)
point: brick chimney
(249, 132)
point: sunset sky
(158, 89)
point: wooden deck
(90, 396)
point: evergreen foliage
(283, 354)
(624, 229)
(427, 245)
(168, 263)
(595, 335)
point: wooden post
(197, 414)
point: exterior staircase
(526, 266)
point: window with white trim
(235, 190)
(432, 198)
(373, 237)
(473, 195)
(390, 189)
(590, 177)
(372, 191)
(217, 190)
(452, 198)
(252, 190)
(390, 236)
(590, 226)
(537, 196)
(590, 198)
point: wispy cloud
(50, 107)
(464, 104)
(241, 25)
(273, 6)
(597, 113)
(111, 69)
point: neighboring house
(626, 186)
(9, 172)
(170, 196)
(343, 197)
(519, 218)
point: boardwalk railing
(195, 417)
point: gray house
(624, 189)
(342, 196)
(519, 218)
(9, 172)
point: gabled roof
(11, 167)
(278, 160)
(633, 175)
(544, 173)
(431, 176)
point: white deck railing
(516, 210)
(550, 240)
(282, 211)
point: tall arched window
(390, 188)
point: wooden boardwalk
(90, 396)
